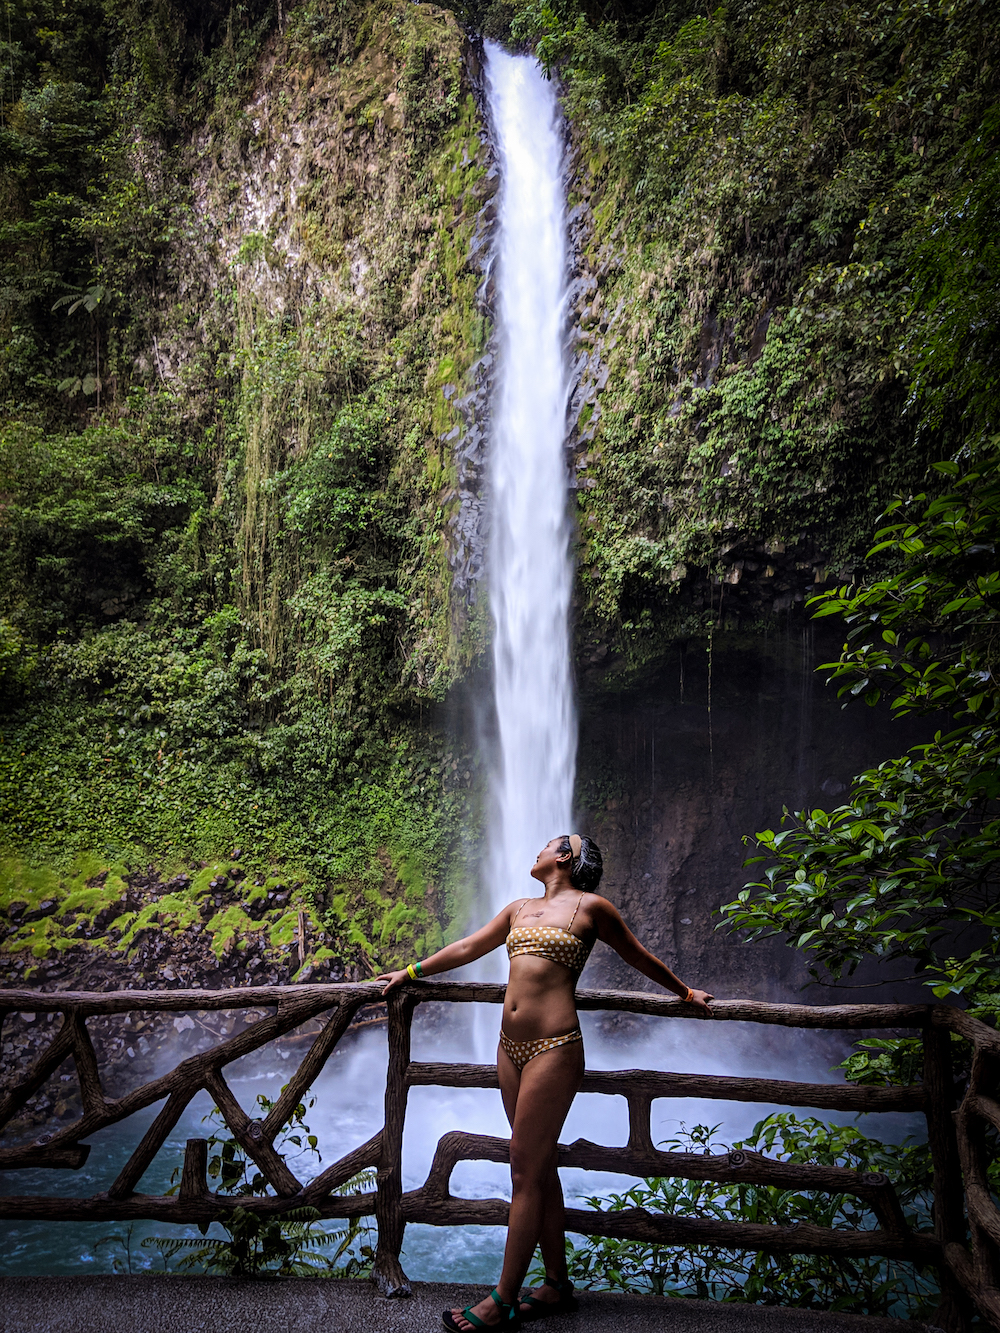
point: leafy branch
(906, 870)
(254, 1245)
(712, 1272)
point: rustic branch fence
(964, 1244)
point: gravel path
(220, 1305)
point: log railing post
(984, 1219)
(388, 1274)
(194, 1176)
(954, 1311)
(640, 1138)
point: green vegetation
(858, 153)
(226, 613)
(905, 871)
(259, 1246)
(711, 1272)
(767, 183)
(238, 308)
(92, 909)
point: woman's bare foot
(488, 1311)
(546, 1295)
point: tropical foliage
(770, 186)
(256, 1244)
(225, 606)
(713, 1272)
(906, 870)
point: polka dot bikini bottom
(520, 1052)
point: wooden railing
(964, 1244)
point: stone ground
(220, 1305)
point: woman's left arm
(613, 930)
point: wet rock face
(669, 790)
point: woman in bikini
(540, 1057)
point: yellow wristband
(410, 972)
(689, 996)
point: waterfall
(530, 571)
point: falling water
(531, 573)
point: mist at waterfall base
(532, 790)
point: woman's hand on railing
(701, 1000)
(393, 978)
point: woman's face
(548, 859)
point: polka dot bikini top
(556, 943)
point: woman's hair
(587, 868)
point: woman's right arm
(467, 950)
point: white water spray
(531, 575)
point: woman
(540, 1057)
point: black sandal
(566, 1303)
(510, 1321)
